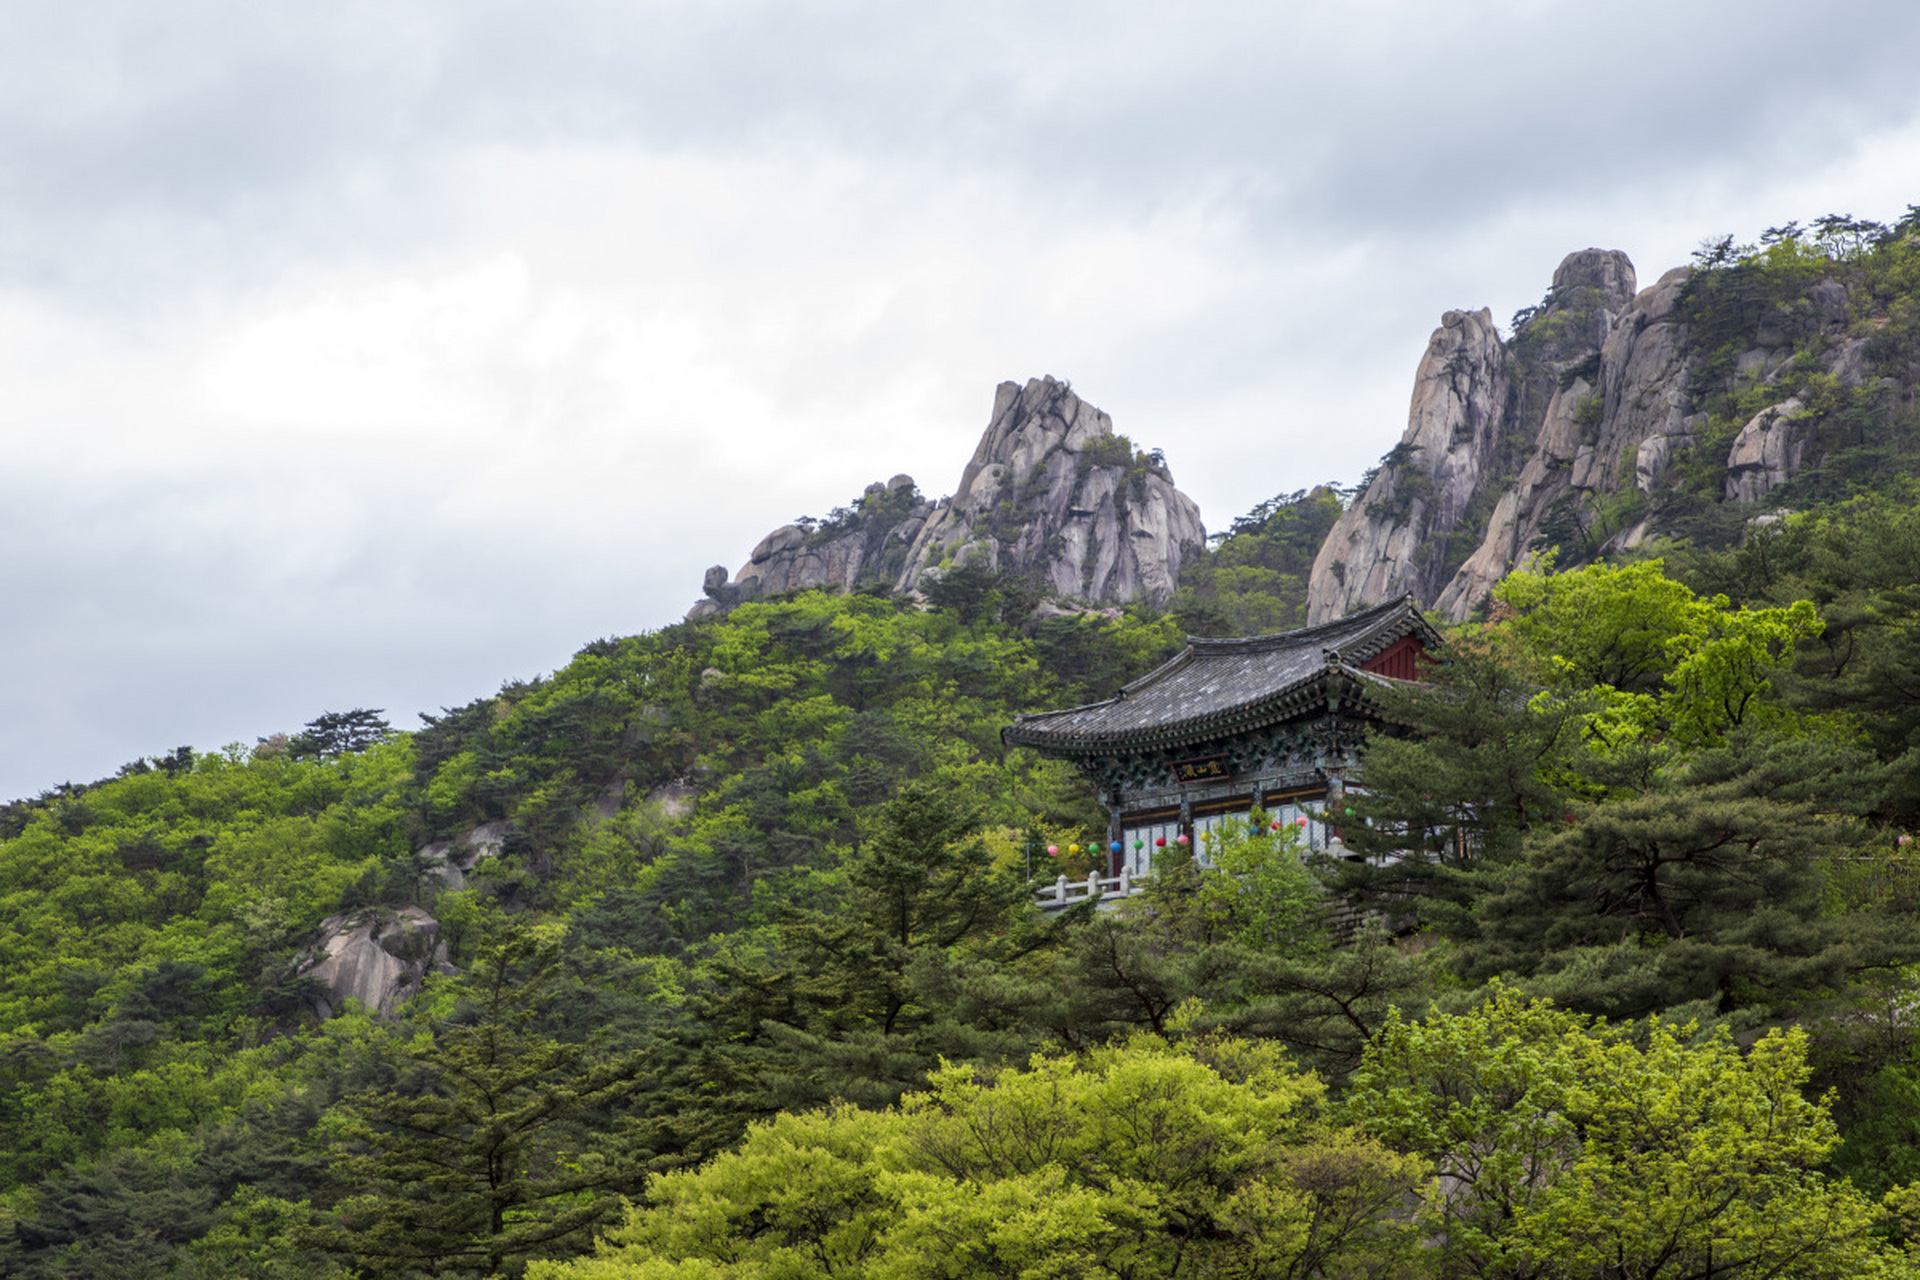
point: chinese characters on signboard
(1199, 769)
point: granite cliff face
(1569, 433)
(1051, 494)
(1483, 410)
(376, 957)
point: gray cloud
(371, 354)
(261, 121)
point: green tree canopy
(1569, 1148)
(476, 1163)
(1142, 1158)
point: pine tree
(841, 1006)
(481, 1165)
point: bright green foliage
(1665, 662)
(802, 713)
(257, 1238)
(145, 926)
(1603, 797)
(781, 851)
(1140, 1159)
(1565, 1148)
(1603, 624)
(1255, 890)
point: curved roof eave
(1275, 708)
(1205, 672)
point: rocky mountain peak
(1480, 407)
(1607, 270)
(1051, 494)
(1610, 416)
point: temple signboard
(1200, 769)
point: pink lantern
(1300, 821)
(1053, 851)
(1181, 838)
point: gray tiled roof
(1218, 686)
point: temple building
(1268, 722)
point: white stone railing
(1063, 893)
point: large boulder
(377, 957)
(1766, 452)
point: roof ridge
(1215, 682)
(1301, 635)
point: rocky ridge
(1480, 406)
(1567, 434)
(1051, 494)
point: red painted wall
(1400, 661)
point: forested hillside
(762, 864)
(712, 953)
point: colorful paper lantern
(1300, 821)
(1116, 846)
(1053, 851)
(1073, 848)
(1160, 842)
(1181, 838)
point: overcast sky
(367, 354)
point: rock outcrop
(1051, 495)
(452, 860)
(1567, 434)
(867, 542)
(377, 957)
(1611, 422)
(1766, 452)
(1496, 432)
(1383, 546)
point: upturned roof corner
(1215, 687)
